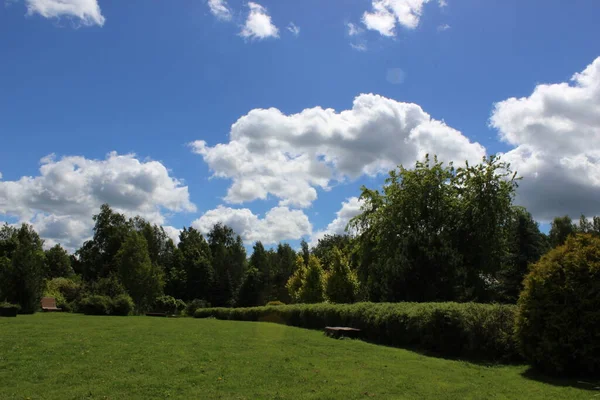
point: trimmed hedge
(104, 305)
(465, 330)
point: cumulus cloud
(353, 29)
(258, 24)
(294, 29)
(61, 200)
(220, 9)
(87, 12)
(556, 134)
(386, 14)
(350, 209)
(289, 156)
(279, 223)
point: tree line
(432, 233)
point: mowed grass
(70, 356)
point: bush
(96, 305)
(559, 309)
(169, 305)
(122, 305)
(7, 305)
(275, 303)
(195, 304)
(467, 330)
(66, 292)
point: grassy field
(68, 356)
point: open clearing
(71, 356)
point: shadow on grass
(581, 383)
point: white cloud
(279, 223)
(86, 11)
(288, 156)
(61, 200)
(556, 134)
(386, 14)
(293, 28)
(359, 46)
(258, 24)
(442, 3)
(443, 27)
(353, 29)
(220, 9)
(173, 233)
(350, 209)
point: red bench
(49, 304)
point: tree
(22, 267)
(261, 261)
(294, 284)
(192, 274)
(526, 245)
(341, 284)
(250, 293)
(284, 266)
(229, 262)
(58, 263)
(560, 229)
(313, 284)
(325, 246)
(142, 279)
(305, 251)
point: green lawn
(68, 356)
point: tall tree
(305, 251)
(22, 267)
(58, 263)
(261, 261)
(229, 260)
(284, 267)
(192, 276)
(142, 279)
(313, 284)
(560, 229)
(341, 283)
(325, 246)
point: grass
(70, 356)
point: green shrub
(96, 305)
(195, 304)
(169, 305)
(66, 292)
(559, 309)
(5, 304)
(466, 330)
(275, 303)
(122, 305)
(341, 284)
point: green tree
(58, 263)
(526, 245)
(294, 283)
(142, 279)
(284, 265)
(250, 293)
(192, 275)
(324, 248)
(560, 229)
(229, 263)
(261, 261)
(304, 251)
(313, 284)
(341, 284)
(22, 267)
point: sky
(268, 116)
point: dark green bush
(5, 304)
(195, 304)
(467, 330)
(275, 303)
(169, 305)
(96, 305)
(122, 305)
(558, 316)
(66, 291)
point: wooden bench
(339, 331)
(49, 304)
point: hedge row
(464, 330)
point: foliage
(229, 263)
(275, 303)
(66, 291)
(559, 309)
(195, 304)
(436, 232)
(122, 305)
(169, 305)
(192, 275)
(341, 285)
(96, 305)
(160, 358)
(5, 304)
(560, 229)
(294, 284)
(250, 293)
(466, 330)
(313, 284)
(326, 245)
(58, 263)
(22, 267)
(142, 279)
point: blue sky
(121, 93)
